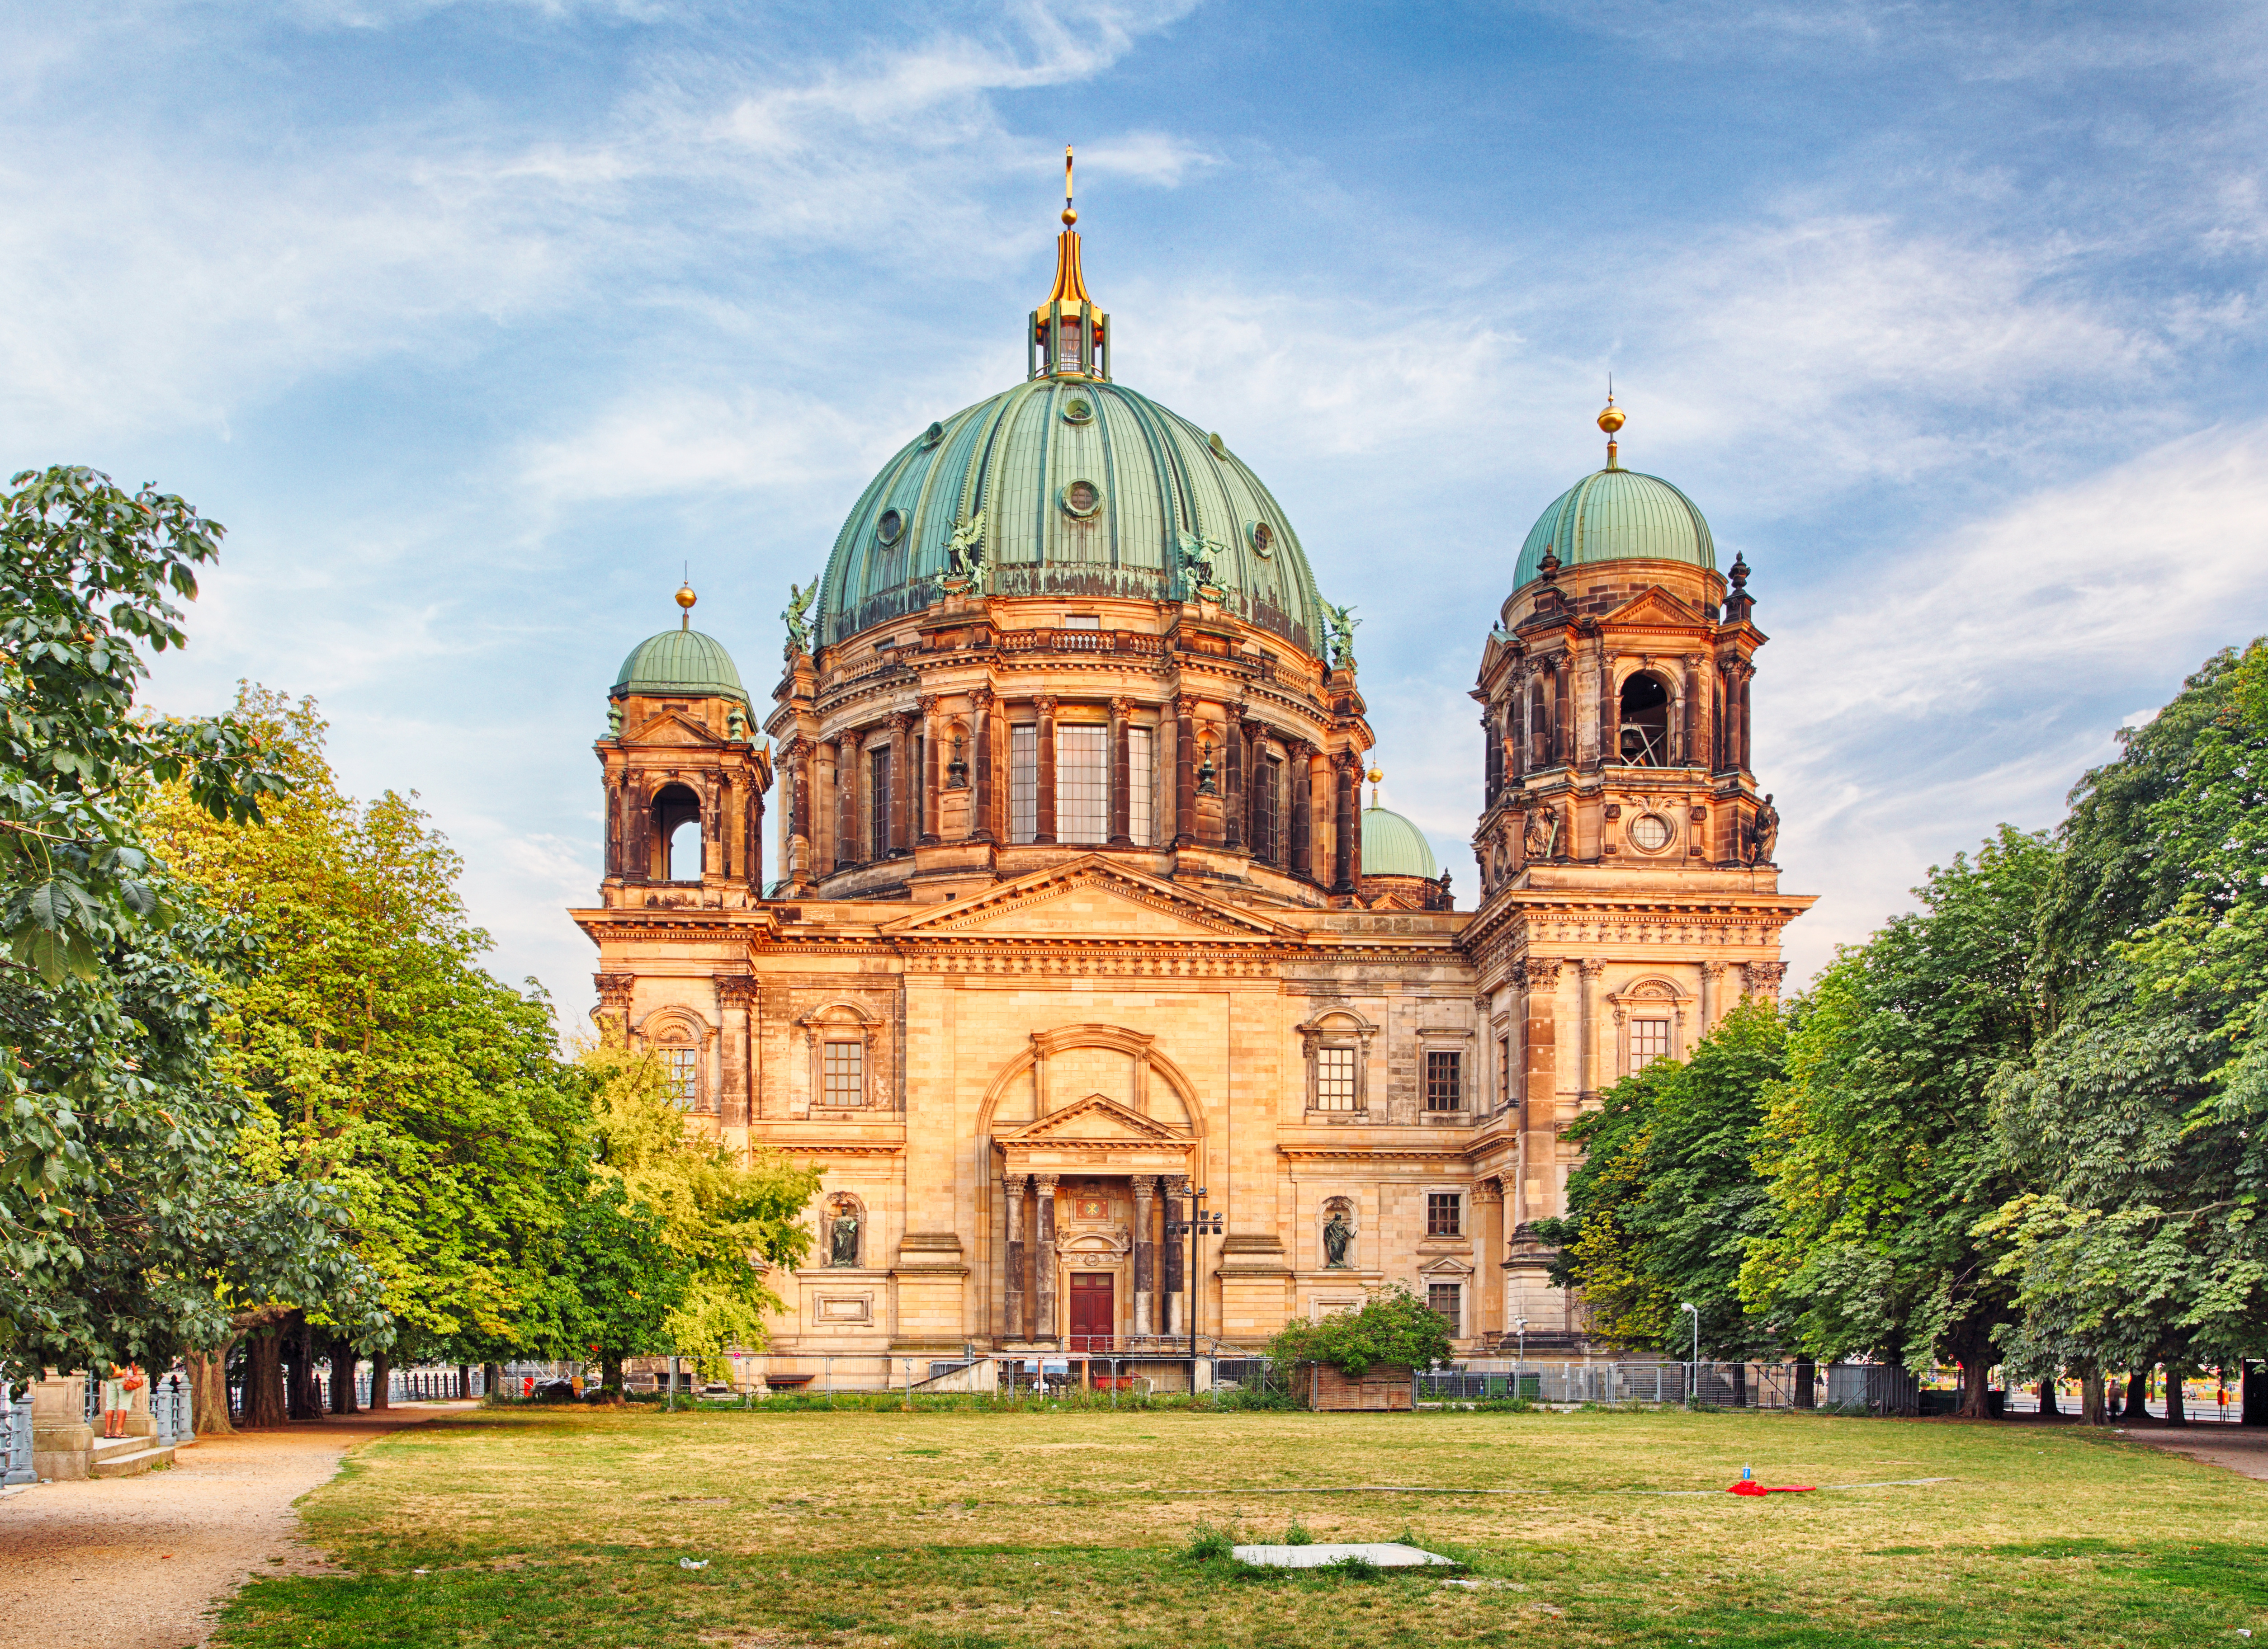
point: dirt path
(2240, 1448)
(140, 1563)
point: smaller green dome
(1392, 846)
(1617, 515)
(679, 661)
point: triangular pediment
(1095, 1119)
(674, 729)
(1654, 605)
(1090, 898)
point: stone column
(1747, 749)
(1539, 1108)
(1121, 773)
(1697, 723)
(1046, 822)
(1491, 759)
(1146, 1255)
(1012, 1187)
(613, 1012)
(926, 836)
(1587, 1018)
(1303, 809)
(1563, 720)
(902, 780)
(980, 808)
(1346, 826)
(1185, 772)
(613, 827)
(1712, 994)
(1177, 1320)
(1043, 1241)
(1611, 711)
(735, 994)
(1488, 1218)
(1233, 834)
(846, 800)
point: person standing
(113, 1403)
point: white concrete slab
(1384, 1554)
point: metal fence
(16, 1437)
(1849, 1386)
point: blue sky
(474, 323)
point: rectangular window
(1445, 1087)
(1023, 782)
(1503, 1071)
(878, 792)
(1449, 1304)
(1445, 1214)
(1334, 1078)
(681, 1071)
(1266, 805)
(845, 1072)
(1082, 620)
(1138, 780)
(1649, 1042)
(1083, 783)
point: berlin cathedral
(1109, 1011)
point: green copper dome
(679, 661)
(1392, 846)
(1086, 488)
(1617, 515)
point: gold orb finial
(685, 599)
(1611, 420)
(1377, 775)
(1069, 216)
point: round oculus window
(1078, 409)
(1264, 539)
(1649, 833)
(889, 527)
(932, 435)
(1082, 498)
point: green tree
(1394, 1328)
(1878, 1148)
(1666, 1203)
(726, 1221)
(2135, 1130)
(386, 1064)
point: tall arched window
(1644, 720)
(677, 833)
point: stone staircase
(127, 1457)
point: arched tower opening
(1644, 718)
(677, 833)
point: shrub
(1297, 1536)
(1210, 1544)
(1393, 1327)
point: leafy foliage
(1393, 1327)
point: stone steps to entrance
(128, 1456)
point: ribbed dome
(1617, 515)
(679, 661)
(1086, 487)
(1392, 846)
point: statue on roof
(1339, 623)
(964, 550)
(1200, 559)
(797, 616)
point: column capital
(615, 988)
(1014, 1182)
(736, 991)
(1045, 703)
(1120, 708)
(1712, 971)
(1591, 967)
(980, 697)
(902, 722)
(1045, 1183)
(926, 703)
(1538, 970)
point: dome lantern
(1068, 336)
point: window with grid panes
(1503, 1071)
(1334, 1078)
(844, 1070)
(1649, 1042)
(1444, 1079)
(1082, 784)
(1445, 1214)
(1447, 1302)
(681, 1069)
(1023, 782)
(1138, 780)
(877, 799)
(1265, 808)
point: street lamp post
(1197, 1225)
(1693, 1379)
(1521, 1366)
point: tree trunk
(1975, 1383)
(304, 1398)
(1807, 1376)
(492, 1380)
(263, 1379)
(2090, 1398)
(2256, 1392)
(2138, 1396)
(2048, 1410)
(342, 1376)
(381, 1376)
(610, 1375)
(2174, 1415)
(208, 1391)
(464, 1381)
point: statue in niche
(1543, 841)
(843, 1235)
(1763, 832)
(1338, 1236)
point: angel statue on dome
(1340, 622)
(797, 616)
(964, 551)
(1200, 559)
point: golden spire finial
(685, 599)
(1377, 777)
(1611, 420)
(1069, 216)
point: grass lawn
(568, 1528)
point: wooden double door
(1093, 1311)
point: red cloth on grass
(1745, 1487)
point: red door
(1092, 1319)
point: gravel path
(2240, 1448)
(141, 1563)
